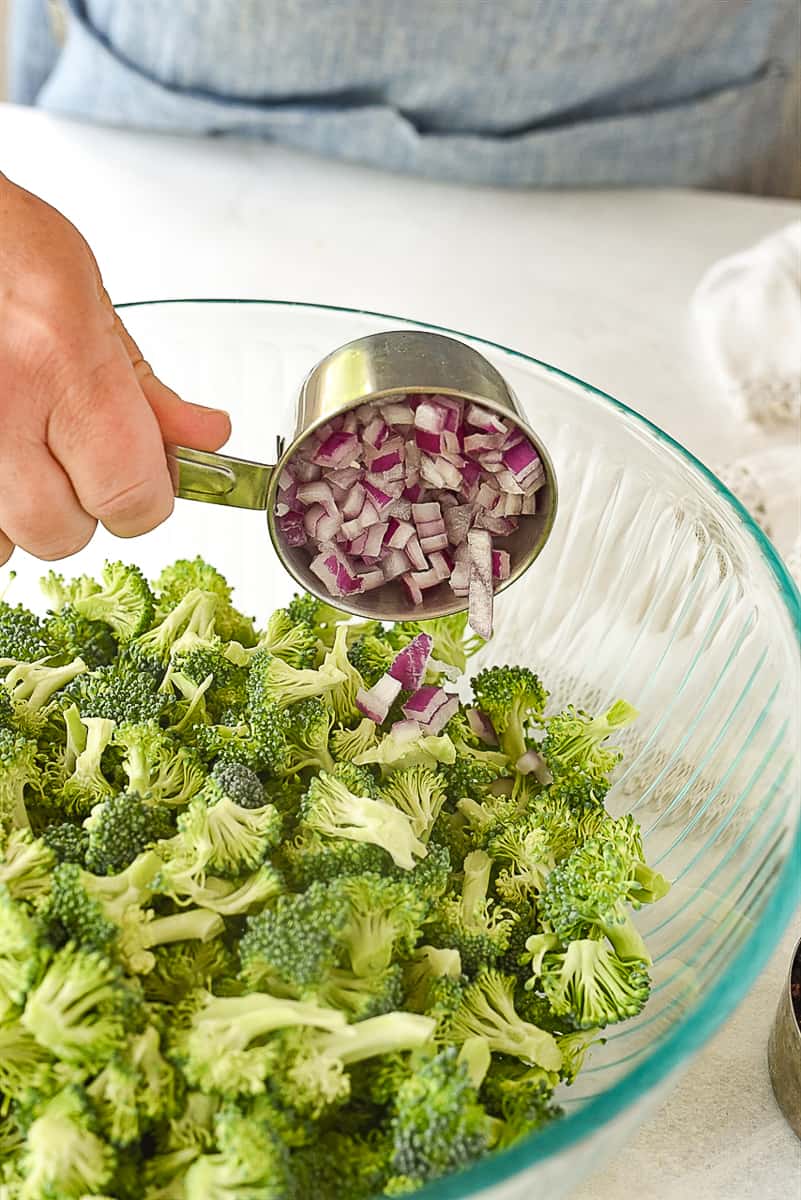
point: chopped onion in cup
(420, 492)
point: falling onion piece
(376, 702)
(479, 544)
(409, 664)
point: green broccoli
(308, 726)
(239, 783)
(274, 683)
(26, 864)
(384, 917)
(472, 923)
(420, 793)
(119, 829)
(119, 693)
(348, 744)
(438, 1123)
(586, 895)
(86, 785)
(575, 739)
(134, 1090)
(22, 635)
(32, 685)
(336, 663)
(250, 1161)
(521, 1097)
(330, 809)
(293, 945)
(195, 613)
(409, 748)
(427, 965)
(157, 766)
(193, 575)
(292, 640)
(124, 601)
(71, 635)
(513, 698)
(67, 841)
(64, 1156)
(19, 774)
(219, 835)
(90, 908)
(23, 953)
(223, 1049)
(25, 1066)
(363, 996)
(487, 1010)
(587, 981)
(372, 656)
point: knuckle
(54, 545)
(141, 505)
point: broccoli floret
(293, 945)
(219, 835)
(223, 1050)
(124, 601)
(119, 693)
(86, 785)
(133, 1090)
(67, 841)
(315, 1077)
(274, 683)
(363, 996)
(473, 924)
(427, 965)
(586, 896)
(22, 634)
(385, 916)
(25, 866)
(157, 766)
(574, 739)
(239, 783)
(454, 642)
(330, 809)
(178, 880)
(182, 967)
(587, 981)
(343, 1166)
(521, 1097)
(19, 773)
(250, 1161)
(487, 1010)
(529, 847)
(292, 640)
(420, 793)
(120, 829)
(372, 656)
(23, 954)
(78, 1009)
(309, 857)
(336, 663)
(195, 662)
(348, 744)
(64, 1156)
(25, 1067)
(32, 685)
(513, 698)
(438, 1124)
(409, 748)
(187, 575)
(70, 634)
(308, 724)
(195, 613)
(91, 908)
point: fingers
(181, 422)
(6, 548)
(39, 510)
(106, 437)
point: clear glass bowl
(656, 586)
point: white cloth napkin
(748, 312)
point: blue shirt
(539, 93)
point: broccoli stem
(199, 924)
(625, 937)
(390, 1033)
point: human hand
(83, 419)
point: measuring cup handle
(218, 478)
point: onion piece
(412, 588)
(482, 726)
(293, 529)
(430, 417)
(375, 702)
(532, 763)
(338, 449)
(372, 579)
(434, 541)
(483, 419)
(501, 564)
(398, 533)
(479, 544)
(441, 717)
(414, 552)
(336, 572)
(422, 705)
(397, 413)
(376, 432)
(409, 664)
(394, 563)
(377, 496)
(354, 503)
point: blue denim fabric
(517, 92)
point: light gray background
(3, 19)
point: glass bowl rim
(699, 1023)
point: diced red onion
(354, 503)
(375, 540)
(457, 523)
(501, 567)
(430, 442)
(318, 492)
(430, 511)
(405, 731)
(422, 705)
(481, 418)
(414, 552)
(293, 529)
(460, 579)
(378, 497)
(376, 432)
(398, 533)
(397, 413)
(305, 471)
(343, 477)
(356, 547)
(338, 449)
(413, 492)
(409, 664)
(336, 572)
(482, 726)
(400, 509)
(394, 563)
(436, 541)
(372, 579)
(430, 417)
(412, 588)
(385, 462)
(440, 719)
(376, 701)
(480, 594)
(440, 565)
(502, 526)
(532, 763)
(529, 505)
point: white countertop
(596, 283)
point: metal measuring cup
(380, 367)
